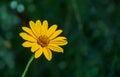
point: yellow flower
(42, 39)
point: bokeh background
(91, 26)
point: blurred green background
(91, 26)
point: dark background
(91, 26)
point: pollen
(43, 41)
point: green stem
(77, 13)
(27, 66)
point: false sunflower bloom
(42, 39)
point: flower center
(43, 41)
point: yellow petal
(27, 44)
(35, 28)
(51, 30)
(47, 53)
(35, 47)
(55, 48)
(59, 42)
(45, 24)
(38, 53)
(29, 31)
(55, 34)
(59, 38)
(44, 27)
(27, 37)
(38, 23)
(38, 27)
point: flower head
(42, 39)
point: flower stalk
(27, 66)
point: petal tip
(49, 59)
(38, 21)
(36, 57)
(45, 21)
(31, 22)
(21, 34)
